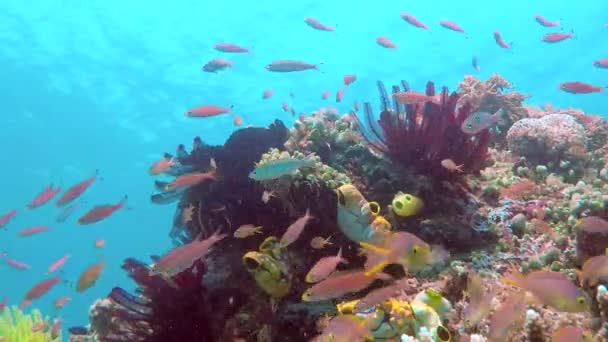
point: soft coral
(421, 136)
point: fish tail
(376, 269)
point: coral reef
(15, 326)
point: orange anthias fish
(347, 328)
(480, 301)
(385, 42)
(101, 212)
(190, 179)
(76, 190)
(162, 165)
(593, 270)
(324, 267)
(295, 229)
(247, 230)
(89, 277)
(341, 284)
(182, 257)
(33, 230)
(451, 166)
(238, 121)
(61, 302)
(100, 243)
(550, 288)
(507, 317)
(40, 289)
(44, 197)
(412, 97)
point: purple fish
(17, 264)
(289, 66)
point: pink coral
(551, 138)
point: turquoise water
(88, 85)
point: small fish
(100, 243)
(162, 165)
(325, 95)
(556, 37)
(576, 87)
(61, 302)
(6, 218)
(544, 22)
(500, 41)
(101, 212)
(480, 121)
(56, 329)
(76, 190)
(237, 121)
(3, 304)
(601, 63)
(40, 289)
(450, 25)
(190, 179)
(324, 267)
(230, 48)
(217, 64)
(508, 317)
(289, 66)
(57, 264)
(266, 195)
(66, 212)
(475, 64)
(319, 242)
(550, 288)
(341, 284)
(280, 167)
(385, 42)
(412, 97)
(410, 19)
(347, 328)
(348, 79)
(206, 111)
(480, 301)
(17, 264)
(569, 334)
(449, 165)
(593, 270)
(89, 277)
(33, 230)
(339, 95)
(267, 94)
(377, 296)
(44, 197)
(182, 257)
(317, 25)
(292, 233)
(247, 230)
(166, 197)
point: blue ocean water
(88, 85)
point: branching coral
(422, 136)
(175, 309)
(15, 326)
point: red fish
(33, 230)
(317, 25)
(500, 41)
(385, 42)
(17, 264)
(412, 97)
(410, 19)
(339, 95)
(600, 63)
(89, 277)
(544, 22)
(348, 79)
(56, 329)
(101, 212)
(450, 25)
(61, 302)
(3, 304)
(289, 66)
(44, 196)
(229, 47)
(267, 93)
(40, 289)
(557, 37)
(57, 264)
(76, 190)
(5, 219)
(238, 121)
(217, 64)
(99, 243)
(579, 88)
(190, 179)
(206, 111)
(325, 95)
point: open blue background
(88, 85)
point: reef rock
(548, 140)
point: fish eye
(415, 249)
(469, 126)
(581, 300)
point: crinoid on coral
(15, 326)
(164, 310)
(422, 136)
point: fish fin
(376, 269)
(514, 277)
(374, 248)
